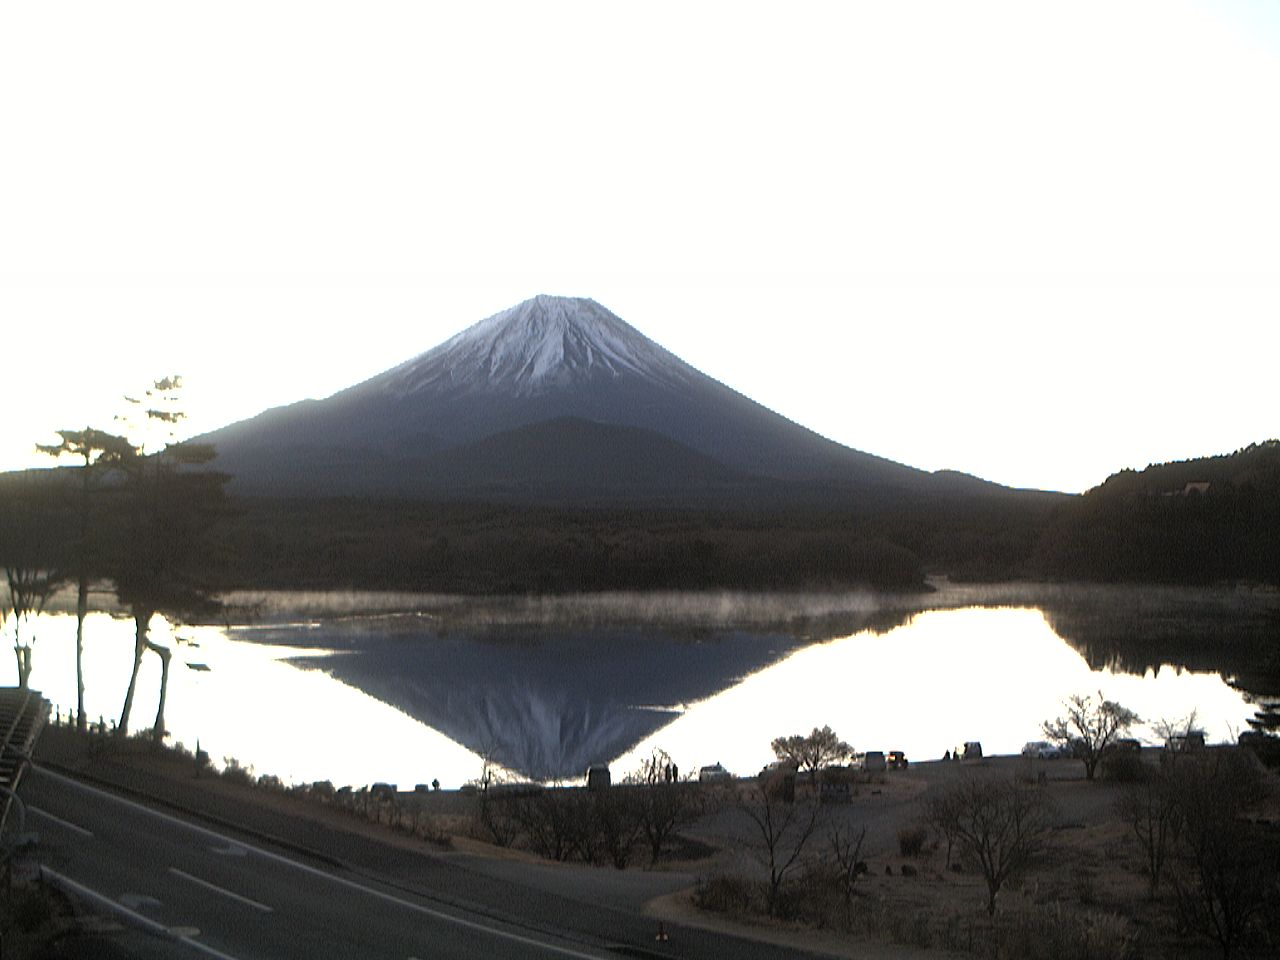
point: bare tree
(1177, 736)
(616, 824)
(812, 752)
(1227, 870)
(556, 822)
(1150, 809)
(783, 828)
(942, 813)
(845, 849)
(1089, 726)
(1171, 730)
(999, 824)
(664, 803)
(495, 811)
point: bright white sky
(1035, 242)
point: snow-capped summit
(541, 344)
(549, 398)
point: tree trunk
(165, 655)
(775, 885)
(82, 610)
(24, 665)
(142, 621)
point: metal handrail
(7, 746)
(18, 715)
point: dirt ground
(1092, 866)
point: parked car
(778, 779)
(873, 761)
(775, 767)
(897, 760)
(713, 773)
(598, 777)
(1041, 750)
(1124, 745)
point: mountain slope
(547, 359)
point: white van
(1041, 750)
(713, 773)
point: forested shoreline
(1200, 522)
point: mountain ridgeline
(552, 446)
(555, 400)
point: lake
(364, 688)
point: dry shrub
(236, 773)
(495, 821)
(1053, 932)
(269, 781)
(1084, 885)
(1124, 767)
(562, 824)
(914, 927)
(911, 841)
(426, 827)
(813, 897)
(730, 895)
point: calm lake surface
(358, 689)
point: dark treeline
(1198, 522)
(510, 548)
(1202, 521)
(477, 548)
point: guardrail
(23, 713)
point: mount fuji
(554, 399)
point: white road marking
(136, 901)
(332, 878)
(60, 822)
(145, 922)
(222, 890)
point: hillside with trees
(1208, 520)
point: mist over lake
(406, 689)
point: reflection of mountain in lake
(549, 700)
(544, 702)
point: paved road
(221, 897)
(207, 893)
